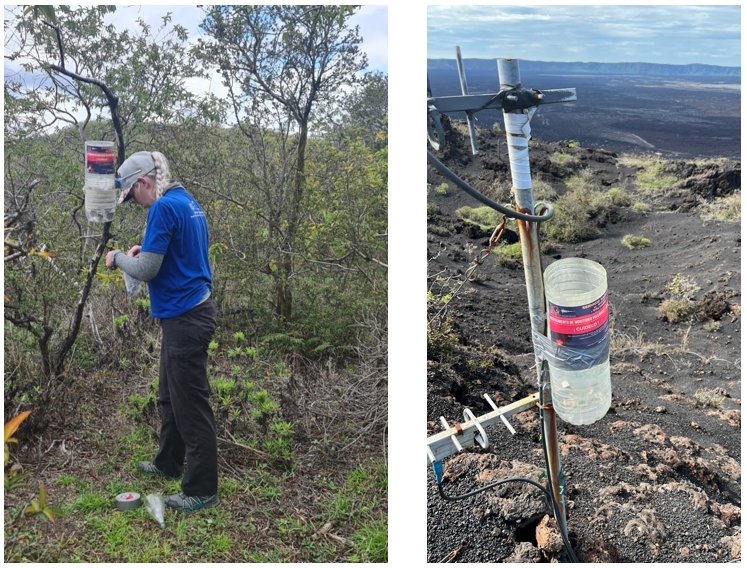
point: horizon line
(585, 62)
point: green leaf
(42, 496)
(48, 13)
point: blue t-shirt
(177, 229)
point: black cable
(546, 490)
(490, 486)
(510, 213)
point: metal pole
(518, 134)
(465, 91)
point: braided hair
(162, 173)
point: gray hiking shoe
(149, 468)
(186, 503)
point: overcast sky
(607, 34)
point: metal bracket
(511, 97)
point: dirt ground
(658, 478)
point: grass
(484, 217)
(712, 398)
(508, 254)
(371, 542)
(584, 181)
(623, 344)
(267, 513)
(564, 160)
(653, 177)
(432, 210)
(680, 306)
(728, 209)
(635, 243)
(355, 509)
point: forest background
(291, 170)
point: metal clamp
(439, 140)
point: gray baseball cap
(138, 165)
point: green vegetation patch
(713, 397)
(485, 217)
(564, 160)
(633, 242)
(619, 197)
(728, 209)
(680, 306)
(512, 251)
(442, 189)
(575, 211)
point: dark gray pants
(187, 421)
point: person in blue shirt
(173, 260)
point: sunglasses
(118, 181)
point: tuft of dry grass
(727, 209)
(713, 397)
(622, 344)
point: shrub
(431, 211)
(727, 209)
(542, 191)
(564, 160)
(619, 197)
(682, 287)
(584, 181)
(678, 310)
(680, 305)
(573, 213)
(442, 189)
(633, 242)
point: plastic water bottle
(100, 189)
(578, 317)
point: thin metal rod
(465, 91)
(553, 456)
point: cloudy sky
(606, 34)
(372, 21)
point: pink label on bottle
(100, 160)
(579, 327)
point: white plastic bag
(132, 284)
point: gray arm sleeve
(143, 268)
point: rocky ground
(658, 478)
